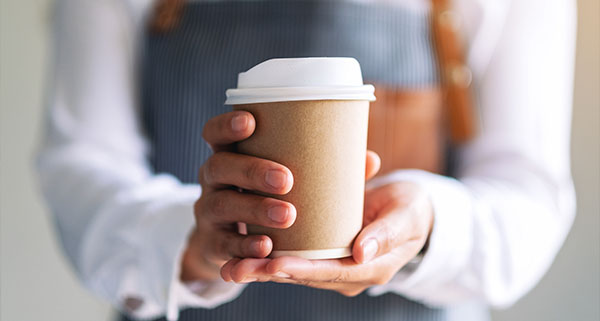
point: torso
(185, 75)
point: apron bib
(186, 71)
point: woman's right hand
(220, 208)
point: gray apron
(186, 71)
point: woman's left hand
(398, 218)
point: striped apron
(186, 71)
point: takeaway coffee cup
(311, 116)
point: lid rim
(237, 96)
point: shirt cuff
(132, 255)
(450, 241)
(202, 294)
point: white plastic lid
(288, 79)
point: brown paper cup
(323, 143)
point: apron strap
(456, 77)
(165, 15)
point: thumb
(380, 237)
(386, 229)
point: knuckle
(218, 205)
(202, 214)
(261, 208)
(252, 171)
(223, 246)
(340, 276)
(243, 246)
(210, 169)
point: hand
(397, 221)
(215, 238)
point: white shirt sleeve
(123, 227)
(499, 225)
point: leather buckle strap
(455, 75)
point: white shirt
(497, 227)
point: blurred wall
(37, 284)
(35, 281)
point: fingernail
(278, 214)
(370, 248)
(282, 275)
(239, 123)
(256, 246)
(248, 280)
(276, 178)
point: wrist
(428, 212)
(194, 265)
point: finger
(261, 270)
(347, 289)
(387, 231)
(250, 270)
(227, 245)
(229, 206)
(226, 269)
(343, 270)
(223, 130)
(247, 172)
(247, 270)
(373, 164)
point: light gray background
(37, 284)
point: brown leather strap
(455, 75)
(166, 15)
